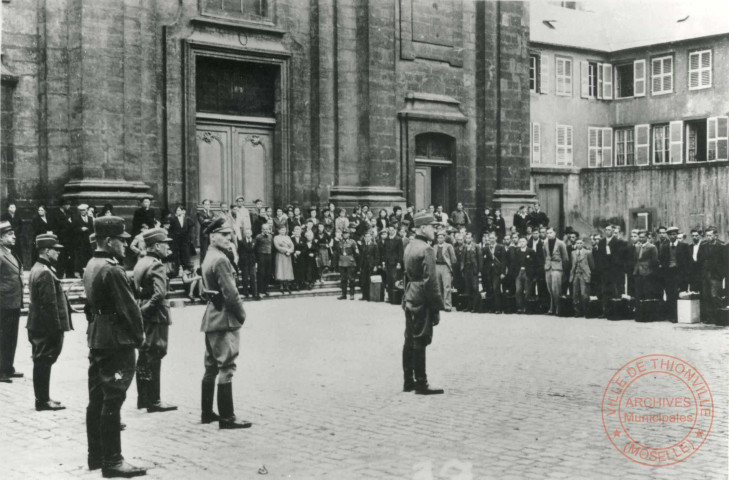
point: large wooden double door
(235, 159)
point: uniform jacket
(11, 280)
(393, 251)
(711, 260)
(150, 280)
(218, 276)
(471, 259)
(114, 317)
(558, 260)
(48, 311)
(582, 265)
(369, 256)
(421, 296)
(449, 254)
(646, 260)
(496, 263)
(347, 250)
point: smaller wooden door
(550, 200)
(423, 186)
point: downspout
(498, 95)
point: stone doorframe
(282, 135)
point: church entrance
(433, 165)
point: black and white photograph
(364, 239)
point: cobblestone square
(321, 381)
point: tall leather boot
(93, 436)
(114, 465)
(225, 407)
(143, 376)
(155, 404)
(421, 379)
(407, 369)
(206, 402)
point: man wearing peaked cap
(11, 301)
(48, 318)
(670, 259)
(422, 303)
(115, 330)
(152, 285)
(82, 225)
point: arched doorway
(434, 157)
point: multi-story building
(629, 113)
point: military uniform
(11, 301)
(422, 303)
(115, 330)
(348, 250)
(152, 284)
(48, 318)
(221, 324)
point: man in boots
(115, 330)
(150, 280)
(422, 303)
(11, 301)
(48, 318)
(221, 323)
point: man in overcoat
(152, 285)
(493, 270)
(422, 303)
(11, 301)
(445, 262)
(48, 318)
(556, 265)
(610, 257)
(369, 260)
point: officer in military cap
(348, 253)
(48, 318)
(150, 280)
(422, 303)
(221, 323)
(115, 330)
(11, 301)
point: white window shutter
(711, 137)
(722, 138)
(668, 74)
(536, 136)
(656, 70)
(642, 144)
(607, 147)
(607, 81)
(599, 80)
(568, 145)
(592, 151)
(559, 145)
(694, 70)
(584, 79)
(639, 78)
(706, 69)
(544, 73)
(676, 144)
(569, 75)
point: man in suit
(519, 221)
(243, 217)
(204, 216)
(537, 218)
(493, 270)
(556, 262)
(539, 286)
(422, 303)
(369, 260)
(646, 266)
(689, 263)
(630, 258)
(48, 318)
(713, 270)
(247, 265)
(61, 225)
(83, 226)
(523, 266)
(152, 285)
(669, 259)
(224, 316)
(264, 260)
(115, 330)
(296, 259)
(11, 301)
(144, 215)
(580, 273)
(392, 260)
(609, 262)
(445, 260)
(470, 269)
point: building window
(661, 144)
(235, 88)
(592, 80)
(433, 146)
(700, 70)
(662, 75)
(624, 147)
(564, 76)
(256, 10)
(695, 141)
(564, 145)
(534, 73)
(624, 80)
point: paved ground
(321, 381)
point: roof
(612, 25)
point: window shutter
(560, 145)
(676, 145)
(536, 135)
(592, 151)
(642, 144)
(607, 81)
(694, 70)
(711, 124)
(668, 74)
(568, 77)
(607, 147)
(706, 69)
(722, 138)
(584, 79)
(639, 78)
(599, 81)
(544, 73)
(568, 145)
(656, 70)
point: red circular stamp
(657, 410)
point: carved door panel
(253, 159)
(423, 186)
(214, 155)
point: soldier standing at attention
(221, 323)
(422, 303)
(11, 301)
(115, 330)
(150, 280)
(48, 318)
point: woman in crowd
(107, 210)
(500, 225)
(39, 225)
(342, 222)
(328, 221)
(296, 220)
(313, 216)
(382, 220)
(284, 269)
(280, 220)
(324, 243)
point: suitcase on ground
(396, 298)
(593, 309)
(618, 309)
(375, 289)
(509, 304)
(487, 303)
(688, 311)
(649, 310)
(722, 317)
(565, 306)
(534, 306)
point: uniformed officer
(115, 330)
(422, 303)
(48, 318)
(348, 252)
(150, 280)
(221, 323)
